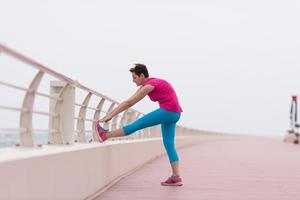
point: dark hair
(140, 69)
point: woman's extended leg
(158, 116)
(116, 133)
(153, 118)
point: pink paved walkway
(235, 168)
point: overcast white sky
(234, 64)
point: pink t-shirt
(164, 94)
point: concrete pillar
(66, 113)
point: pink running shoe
(172, 181)
(101, 132)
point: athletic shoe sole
(172, 184)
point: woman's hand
(105, 119)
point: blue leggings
(167, 119)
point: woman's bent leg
(168, 134)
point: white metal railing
(26, 110)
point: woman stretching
(167, 115)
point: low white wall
(77, 171)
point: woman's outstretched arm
(140, 94)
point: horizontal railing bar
(92, 120)
(81, 105)
(14, 86)
(91, 108)
(87, 131)
(41, 130)
(49, 96)
(24, 129)
(25, 110)
(13, 129)
(13, 108)
(45, 130)
(86, 119)
(29, 90)
(45, 113)
(78, 118)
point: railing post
(136, 135)
(26, 115)
(124, 118)
(96, 117)
(131, 116)
(114, 122)
(81, 120)
(111, 107)
(63, 124)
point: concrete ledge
(74, 172)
